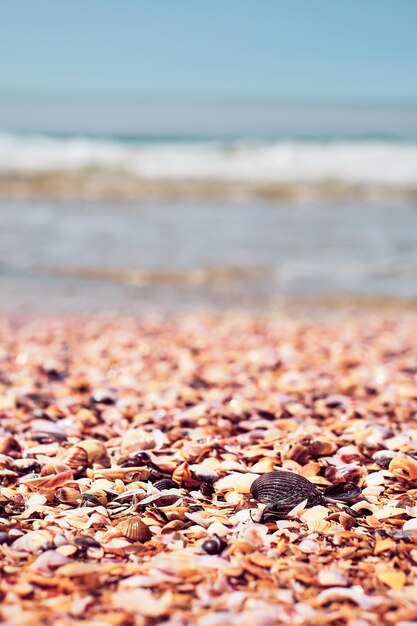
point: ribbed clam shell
(283, 490)
(135, 529)
(166, 483)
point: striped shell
(166, 483)
(77, 459)
(283, 490)
(134, 529)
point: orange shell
(135, 529)
(403, 467)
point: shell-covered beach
(128, 449)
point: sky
(289, 49)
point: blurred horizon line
(300, 100)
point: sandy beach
(96, 412)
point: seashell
(344, 492)
(77, 459)
(135, 529)
(136, 439)
(311, 469)
(410, 524)
(315, 518)
(94, 448)
(94, 497)
(215, 545)
(349, 453)
(322, 447)
(133, 600)
(103, 396)
(343, 473)
(50, 560)
(263, 466)
(299, 453)
(48, 483)
(26, 466)
(308, 546)
(332, 577)
(162, 500)
(203, 473)
(393, 579)
(282, 491)
(33, 541)
(165, 483)
(403, 467)
(241, 483)
(68, 495)
(5, 538)
(354, 594)
(255, 535)
(217, 528)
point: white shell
(308, 546)
(332, 577)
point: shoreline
(118, 187)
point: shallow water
(127, 257)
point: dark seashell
(282, 491)
(103, 396)
(55, 375)
(207, 489)
(5, 538)
(215, 545)
(166, 483)
(345, 492)
(26, 466)
(86, 541)
(165, 500)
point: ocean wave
(369, 162)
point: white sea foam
(363, 162)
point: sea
(130, 205)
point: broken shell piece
(384, 457)
(263, 465)
(410, 524)
(255, 535)
(354, 594)
(236, 482)
(393, 579)
(134, 529)
(308, 546)
(403, 467)
(33, 541)
(48, 483)
(77, 459)
(94, 448)
(345, 472)
(315, 519)
(68, 495)
(332, 577)
(349, 453)
(322, 447)
(203, 473)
